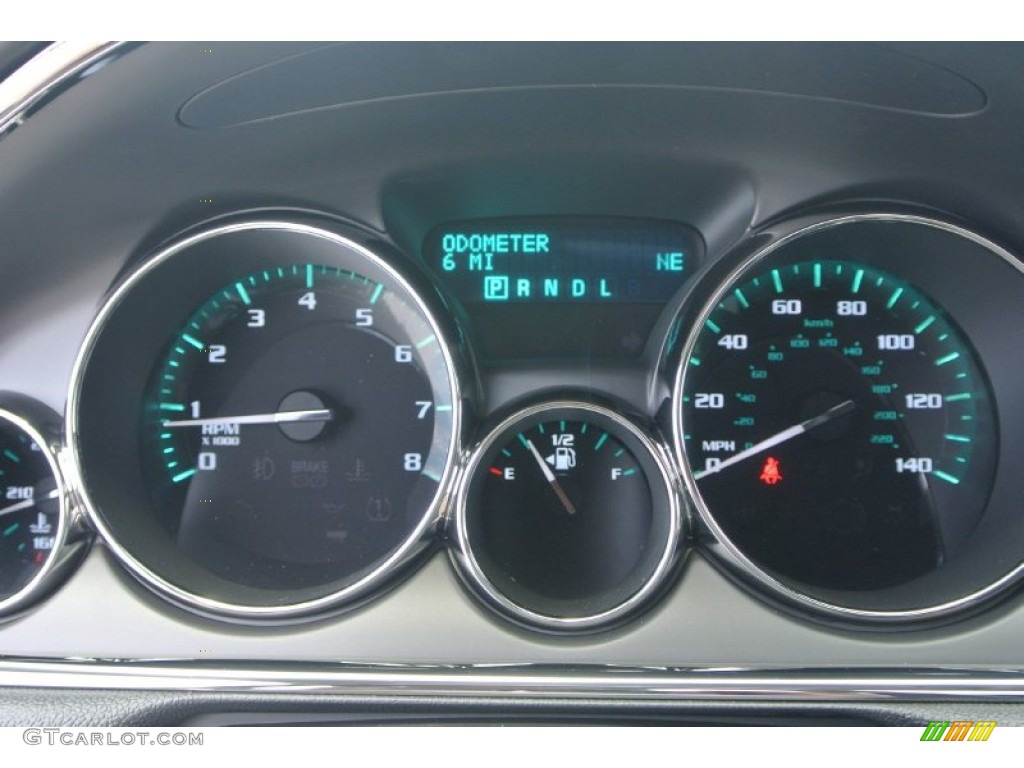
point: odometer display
(837, 425)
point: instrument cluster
(278, 417)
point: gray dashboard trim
(516, 681)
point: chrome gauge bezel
(721, 549)
(70, 540)
(421, 538)
(473, 575)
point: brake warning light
(770, 474)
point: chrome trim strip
(37, 77)
(723, 549)
(522, 682)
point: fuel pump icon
(564, 458)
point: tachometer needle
(550, 477)
(281, 417)
(780, 437)
(26, 503)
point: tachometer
(290, 426)
(283, 425)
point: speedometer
(836, 414)
(838, 424)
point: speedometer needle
(780, 437)
(550, 477)
(281, 417)
(27, 503)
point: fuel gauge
(567, 519)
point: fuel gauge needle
(552, 480)
(781, 437)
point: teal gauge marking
(183, 475)
(923, 325)
(947, 358)
(429, 340)
(242, 294)
(191, 340)
(376, 294)
(741, 298)
(777, 280)
(858, 278)
(12, 456)
(600, 441)
(9, 530)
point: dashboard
(667, 383)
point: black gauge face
(29, 509)
(837, 425)
(297, 427)
(566, 514)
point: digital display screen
(563, 260)
(601, 283)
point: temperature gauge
(33, 508)
(567, 519)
